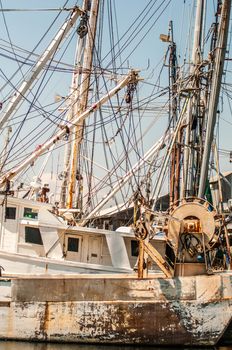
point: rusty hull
(116, 309)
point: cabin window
(32, 235)
(134, 248)
(73, 244)
(30, 213)
(10, 213)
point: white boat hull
(14, 263)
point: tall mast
(80, 106)
(187, 187)
(74, 98)
(175, 157)
(215, 91)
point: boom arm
(51, 49)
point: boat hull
(15, 263)
(185, 310)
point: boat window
(32, 235)
(30, 213)
(10, 213)
(134, 248)
(73, 244)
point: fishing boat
(52, 249)
(38, 230)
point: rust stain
(4, 303)
(43, 317)
(176, 311)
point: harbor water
(11, 345)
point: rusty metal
(158, 259)
(1, 269)
(141, 260)
(188, 214)
(173, 113)
(178, 162)
(143, 231)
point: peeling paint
(184, 310)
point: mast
(187, 186)
(163, 167)
(175, 157)
(74, 98)
(80, 106)
(215, 91)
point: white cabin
(35, 240)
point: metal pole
(174, 191)
(196, 51)
(215, 91)
(167, 157)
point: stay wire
(31, 105)
(36, 46)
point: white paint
(118, 250)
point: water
(11, 345)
